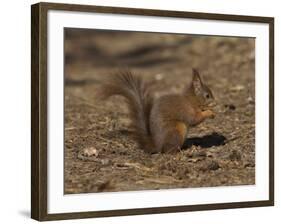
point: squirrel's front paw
(209, 114)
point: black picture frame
(39, 107)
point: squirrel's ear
(196, 82)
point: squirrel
(161, 125)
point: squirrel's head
(200, 91)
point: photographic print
(139, 111)
(149, 111)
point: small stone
(89, 152)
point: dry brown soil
(100, 154)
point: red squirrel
(161, 125)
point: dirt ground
(100, 154)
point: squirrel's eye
(207, 96)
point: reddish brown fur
(161, 125)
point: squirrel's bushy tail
(139, 100)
